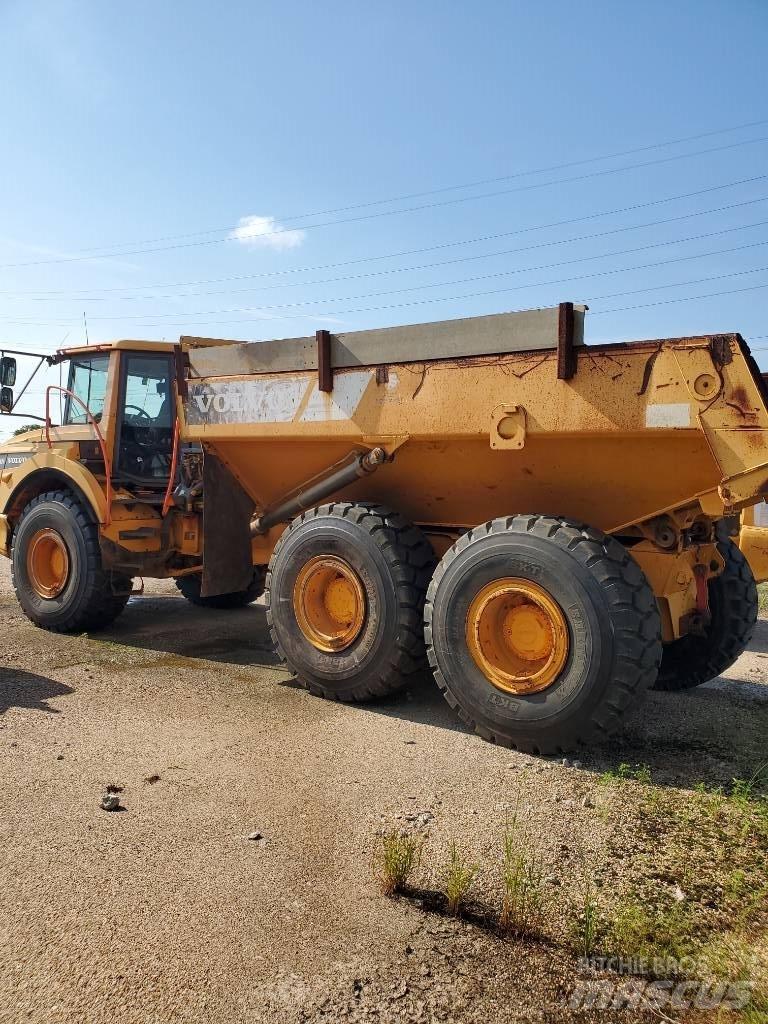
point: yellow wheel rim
(517, 635)
(329, 603)
(47, 563)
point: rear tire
(380, 566)
(603, 603)
(84, 596)
(189, 587)
(693, 660)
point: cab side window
(147, 391)
(87, 380)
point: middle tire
(189, 587)
(345, 597)
(541, 632)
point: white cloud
(266, 233)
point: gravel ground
(165, 911)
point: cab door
(145, 419)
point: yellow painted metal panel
(640, 429)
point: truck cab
(116, 416)
(86, 502)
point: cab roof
(121, 343)
(140, 345)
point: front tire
(693, 660)
(345, 598)
(56, 567)
(189, 587)
(541, 632)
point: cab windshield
(88, 381)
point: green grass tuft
(627, 773)
(459, 878)
(396, 859)
(585, 927)
(522, 906)
(636, 931)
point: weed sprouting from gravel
(627, 772)
(585, 927)
(396, 859)
(638, 931)
(693, 901)
(744, 791)
(522, 906)
(459, 878)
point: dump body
(639, 430)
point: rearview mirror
(6, 399)
(7, 371)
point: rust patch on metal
(648, 370)
(739, 400)
(420, 385)
(528, 369)
(720, 349)
(740, 396)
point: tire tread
(411, 558)
(189, 588)
(628, 594)
(100, 604)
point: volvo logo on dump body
(219, 403)
(278, 401)
(245, 401)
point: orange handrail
(167, 501)
(99, 435)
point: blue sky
(125, 124)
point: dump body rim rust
(517, 635)
(47, 563)
(329, 603)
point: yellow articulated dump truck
(541, 521)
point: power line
(421, 302)
(522, 174)
(442, 284)
(403, 197)
(449, 245)
(483, 277)
(687, 298)
(455, 298)
(465, 259)
(384, 213)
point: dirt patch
(168, 912)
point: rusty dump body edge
(639, 429)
